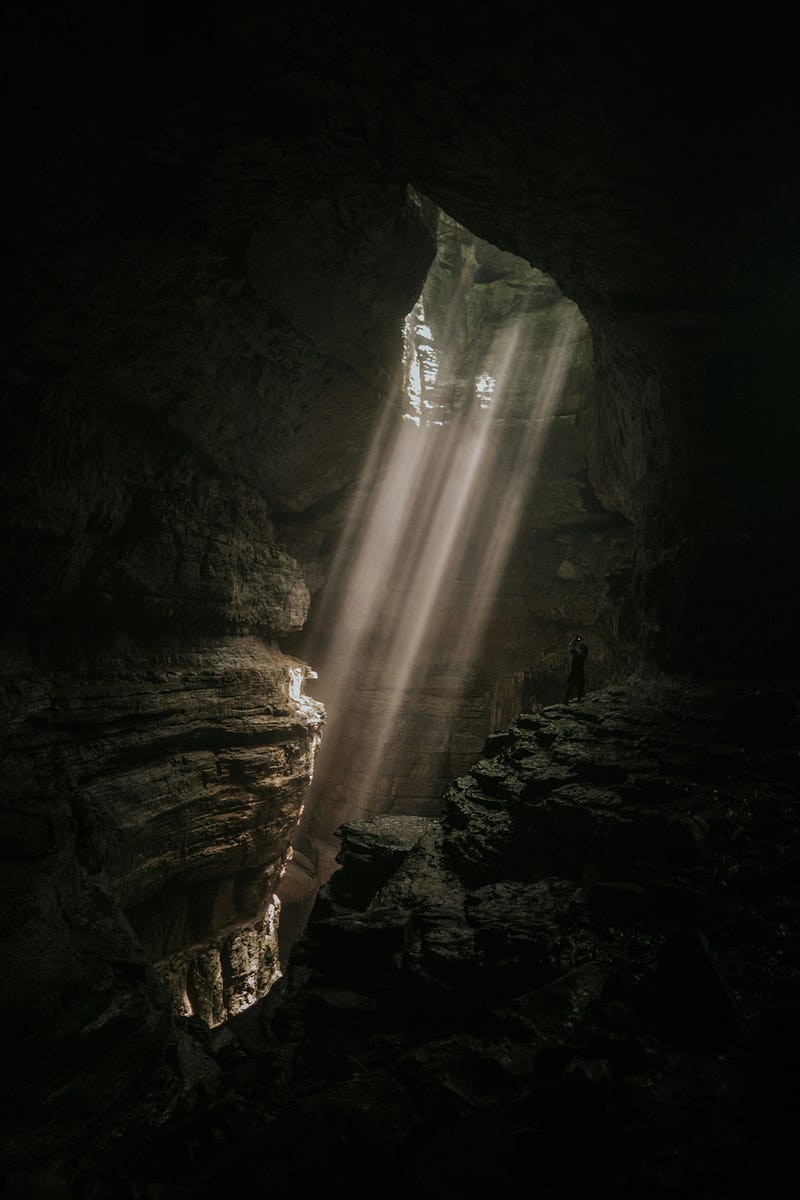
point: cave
(309, 868)
(471, 542)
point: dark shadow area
(586, 968)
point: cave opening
(427, 634)
(213, 250)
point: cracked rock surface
(586, 972)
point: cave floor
(585, 975)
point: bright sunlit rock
(444, 486)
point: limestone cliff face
(531, 556)
(212, 248)
(150, 790)
(197, 839)
(593, 939)
(143, 588)
(177, 377)
(646, 173)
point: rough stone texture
(150, 791)
(645, 171)
(172, 357)
(211, 246)
(559, 571)
(597, 941)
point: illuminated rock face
(179, 377)
(197, 842)
(213, 251)
(500, 550)
(587, 925)
(652, 185)
(178, 780)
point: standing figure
(577, 680)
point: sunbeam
(436, 512)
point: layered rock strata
(646, 172)
(597, 942)
(149, 798)
(412, 686)
(211, 249)
(175, 373)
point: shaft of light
(436, 503)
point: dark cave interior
(575, 961)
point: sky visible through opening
(441, 495)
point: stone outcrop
(537, 552)
(212, 245)
(149, 798)
(174, 376)
(596, 944)
(647, 175)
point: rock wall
(533, 557)
(597, 941)
(646, 172)
(177, 374)
(150, 791)
(211, 249)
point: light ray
(439, 502)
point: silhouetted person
(577, 680)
